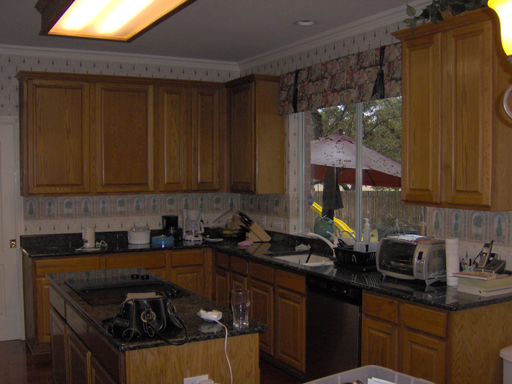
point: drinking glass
(240, 303)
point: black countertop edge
(437, 295)
(187, 308)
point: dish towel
(331, 198)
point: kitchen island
(84, 351)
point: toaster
(412, 257)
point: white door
(11, 300)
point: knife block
(257, 234)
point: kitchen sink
(314, 260)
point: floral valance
(363, 76)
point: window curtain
(363, 76)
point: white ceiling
(219, 30)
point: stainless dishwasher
(333, 327)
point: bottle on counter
(366, 233)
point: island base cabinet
(172, 364)
(78, 356)
(58, 332)
(99, 375)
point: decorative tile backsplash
(481, 226)
(109, 213)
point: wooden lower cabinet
(290, 319)
(379, 340)
(433, 344)
(99, 375)
(58, 338)
(423, 356)
(261, 285)
(278, 299)
(238, 273)
(72, 360)
(405, 337)
(78, 358)
(187, 270)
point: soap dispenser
(366, 233)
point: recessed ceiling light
(305, 23)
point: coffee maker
(193, 225)
(170, 227)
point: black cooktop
(112, 290)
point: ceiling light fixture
(305, 23)
(120, 20)
(504, 10)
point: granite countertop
(186, 302)
(437, 295)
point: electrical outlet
(195, 380)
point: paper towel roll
(452, 261)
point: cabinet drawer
(381, 307)
(57, 301)
(77, 324)
(238, 265)
(188, 257)
(222, 260)
(131, 260)
(425, 320)
(291, 281)
(65, 264)
(261, 272)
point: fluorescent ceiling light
(121, 20)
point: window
(354, 168)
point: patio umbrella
(339, 151)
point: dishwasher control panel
(335, 290)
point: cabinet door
(242, 136)
(262, 310)
(124, 138)
(191, 277)
(468, 116)
(55, 133)
(99, 375)
(79, 360)
(290, 328)
(221, 287)
(173, 138)
(42, 310)
(379, 343)
(421, 162)
(58, 337)
(154, 262)
(423, 356)
(205, 139)
(238, 281)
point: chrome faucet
(330, 244)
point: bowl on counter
(138, 235)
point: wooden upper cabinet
(172, 139)
(206, 122)
(97, 134)
(257, 135)
(421, 153)
(55, 129)
(124, 138)
(455, 135)
(188, 138)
